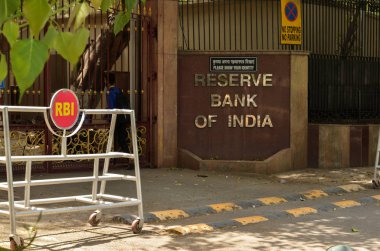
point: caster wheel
(136, 228)
(375, 184)
(14, 246)
(95, 218)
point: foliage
(29, 55)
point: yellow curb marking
(302, 211)
(176, 214)
(170, 214)
(224, 207)
(377, 197)
(347, 203)
(196, 228)
(250, 220)
(352, 188)
(313, 194)
(272, 200)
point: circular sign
(291, 11)
(64, 109)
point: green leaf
(354, 230)
(7, 8)
(105, 5)
(11, 32)
(37, 12)
(96, 4)
(71, 45)
(81, 14)
(4, 249)
(50, 36)
(28, 58)
(72, 15)
(3, 67)
(121, 20)
(130, 4)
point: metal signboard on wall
(233, 64)
(234, 107)
(291, 22)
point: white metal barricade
(376, 181)
(97, 200)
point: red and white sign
(64, 109)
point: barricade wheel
(13, 244)
(375, 184)
(136, 228)
(95, 218)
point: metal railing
(329, 27)
(104, 53)
(344, 90)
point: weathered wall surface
(336, 146)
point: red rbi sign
(64, 109)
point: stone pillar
(334, 146)
(298, 109)
(167, 25)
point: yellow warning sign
(291, 23)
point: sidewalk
(165, 189)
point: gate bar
(28, 177)
(95, 182)
(109, 147)
(8, 165)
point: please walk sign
(291, 22)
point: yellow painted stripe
(377, 197)
(313, 194)
(190, 229)
(347, 203)
(251, 220)
(272, 200)
(170, 214)
(224, 207)
(302, 211)
(352, 188)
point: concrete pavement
(169, 189)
